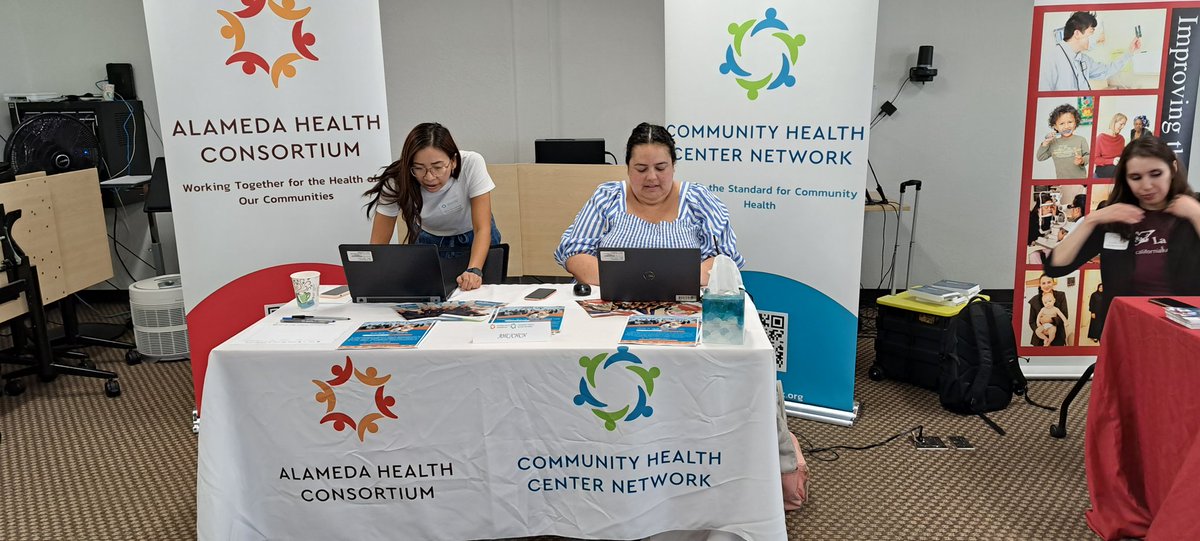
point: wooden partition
(62, 230)
(534, 204)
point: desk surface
(452, 440)
(1142, 453)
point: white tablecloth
(455, 440)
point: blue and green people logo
(789, 52)
(611, 414)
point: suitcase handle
(913, 182)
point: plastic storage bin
(908, 339)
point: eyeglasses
(437, 169)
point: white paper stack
(967, 289)
(1188, 317)
(938, 295)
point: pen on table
(312, 319)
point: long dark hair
(647, 133)
(1147, 146)
(396, 184)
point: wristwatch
(476, 271)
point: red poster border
(1027, 181)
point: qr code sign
(776, 323)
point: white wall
(961, 134)
(501, 74)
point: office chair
(23, 278)
(158, 199)
(455, 260)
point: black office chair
(158, 199)
(455, 260)
(32, 346)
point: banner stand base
(824, 415)
(1056, 367)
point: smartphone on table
(336, 293)
(1169, 302)
(539, 294)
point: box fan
(54, 143)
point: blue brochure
(662, 330)
(388, 334)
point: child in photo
(1068, 150)
(1046, 329)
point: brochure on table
(523, 314)
(388, 334)
(662, 330)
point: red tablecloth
(1142, 454)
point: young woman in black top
(1148, 234)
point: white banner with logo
(451, 441)
(273, 116)
(769, 104)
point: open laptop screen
(394, 273)
(650, 274)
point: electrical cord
(878, 118)
(153, 128)
(131, 149)
(113, 236)
(122, 315)
(817, 453)
(133, 253)
(116, 213)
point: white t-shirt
(448, 211)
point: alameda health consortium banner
(273, 116)
(1133, 80)
(769, 104)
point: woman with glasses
(443, 195)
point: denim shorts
(455, 241)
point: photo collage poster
(1091, 93)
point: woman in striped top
(651, 210)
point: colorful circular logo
(789, 52)
(341, 421)
(612, 414)
(252, 61)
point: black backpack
(980, 369)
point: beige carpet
(75, 465)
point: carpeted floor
(75, 465)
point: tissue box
(724, 317)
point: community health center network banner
(769, 104)
(274, 115)
(1101, 75)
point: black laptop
(394, 273)
(650, 274)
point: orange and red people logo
(341, 421)
(251, 61)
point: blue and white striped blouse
(604, 221)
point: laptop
(394, 273)
(650, 274)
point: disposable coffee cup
(305, 283)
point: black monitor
(569, 151)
